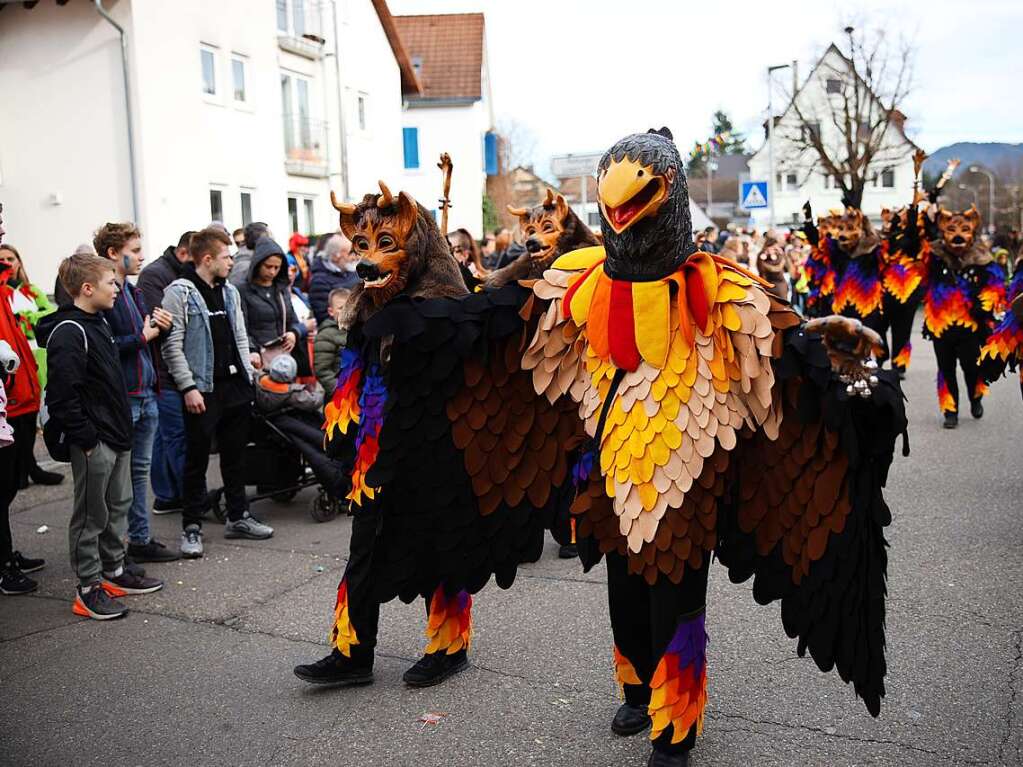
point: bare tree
(854, 131)
(517, 145)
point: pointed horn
(549, 199)
(518, 212)
(386, 199)
(346, 208)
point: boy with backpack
(90, 417)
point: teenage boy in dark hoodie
(87, 397)
(136, 332)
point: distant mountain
(996, 157)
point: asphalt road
(200, 673)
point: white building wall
(459, 131)
(368, 68)
(896, 154)
(63, 129)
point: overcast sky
(582, 73)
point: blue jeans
(144, 415)
(169, 447)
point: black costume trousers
(363, 605)
(958, 344)
(644, 619)
(899, 319)
(227, 419)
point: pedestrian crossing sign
(753, 195)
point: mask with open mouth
(958, 229)
(398, 246)
(644, 207)
(847, 229)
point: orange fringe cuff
(449, 628)
(678, 689)
(946, 401)
(342, 635)
(625, 672)
(902, 358)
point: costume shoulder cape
(462, 461)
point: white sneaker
(191, 542)
(247, 527)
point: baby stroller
(285, 454)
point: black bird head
(644, 207)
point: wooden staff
(445, 166)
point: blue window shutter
(410, 137)
(490, 154)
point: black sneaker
(97, 604)
(40, 477)
(126, 583)
(977, 409)
(27, 564)
(154, 551)
(336, 670)
(568, 551)
(951, 420)
(663, 759)
(166, 506)
(630, 720)
(13, 581)
(434, 668)
(133, 567)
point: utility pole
(770, 141)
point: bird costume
(965, 290)
(457, 467)
(717, 423)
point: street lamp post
(770, 141)
(711, 167)
(991, 195)
(971, 190)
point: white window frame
(304, 203)
(362, 110)
(214, 53)
(242, 59)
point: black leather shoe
(434, 668)
(661, 759)
(335, 670)
(977, 409)
(568, 551)
(40, 477)
(951, 420)
(630, 720)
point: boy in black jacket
(86, 397)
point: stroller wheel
(323, 507)
(215, 499)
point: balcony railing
(299, 27)
(305, 146)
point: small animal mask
(958, 228)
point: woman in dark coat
(266, 303)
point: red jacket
(23, 392)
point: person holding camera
(136, 333)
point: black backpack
(54, 435)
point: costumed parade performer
(456, 465)
(965, 289)
(1005, 344)
(718, 422)
(845, 267)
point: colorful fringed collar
(631, 321)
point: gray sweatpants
(99, 521)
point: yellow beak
(629, 192)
